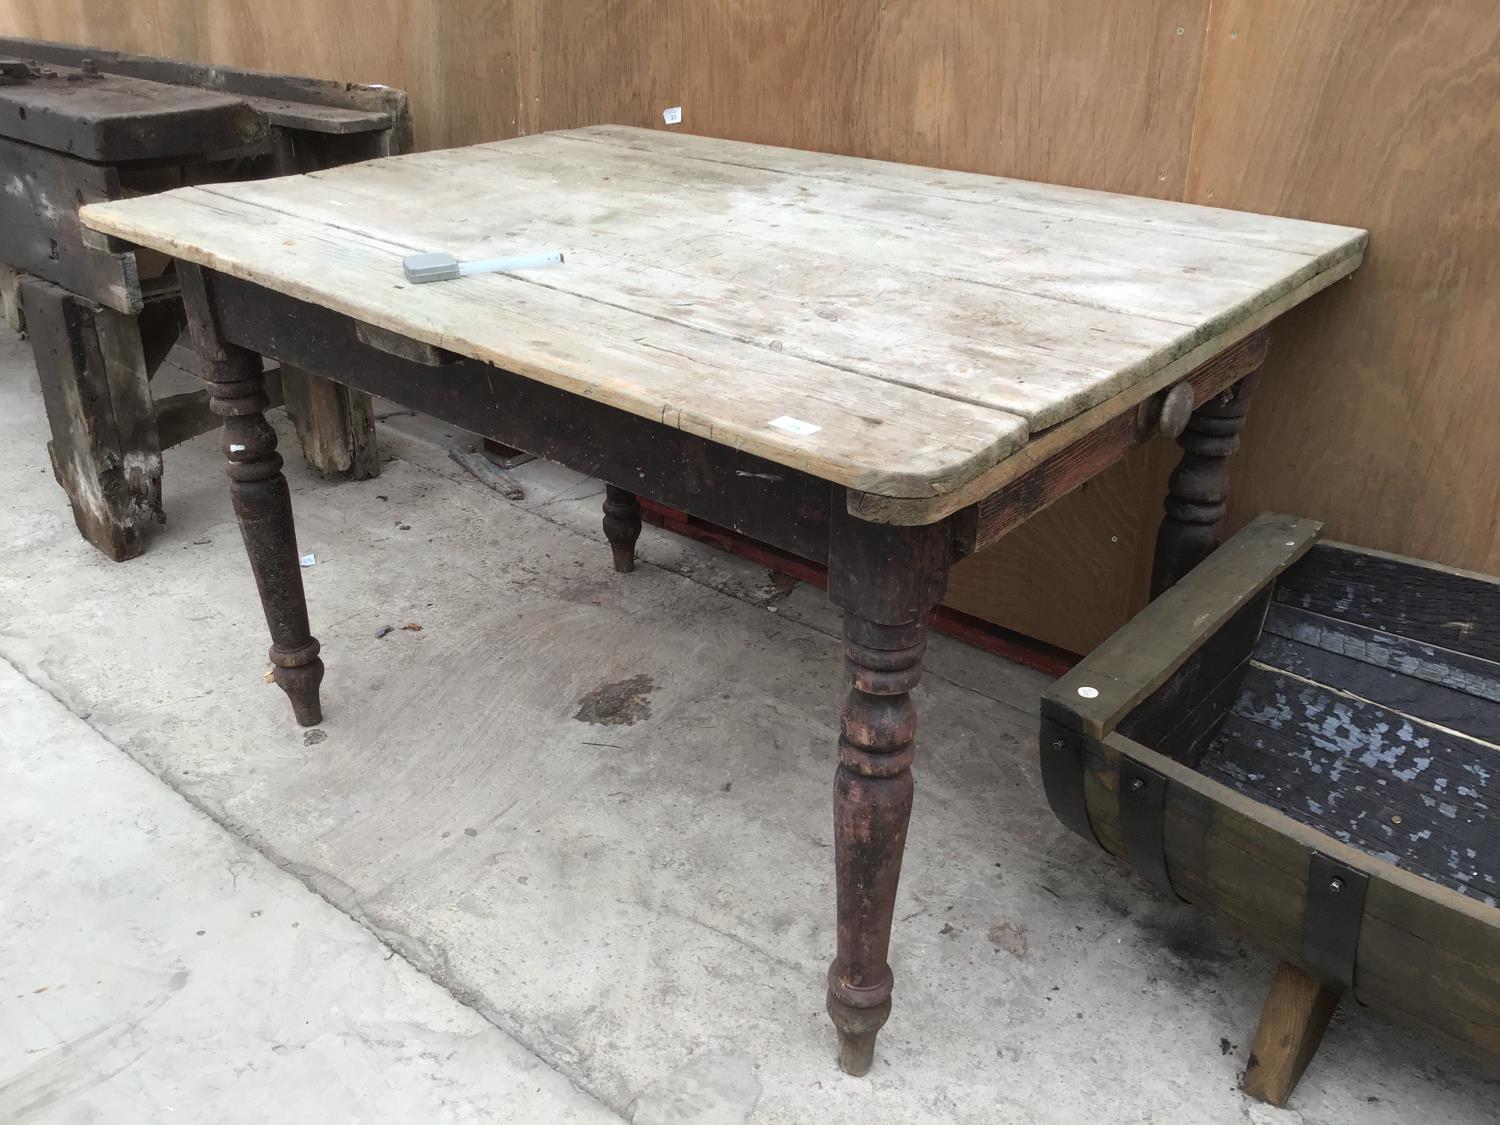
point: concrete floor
(641, 911)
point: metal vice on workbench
(80, 126)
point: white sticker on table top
(308, 560)
(672, 115)
(1089, 692)
(794, 425)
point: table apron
(780, 506)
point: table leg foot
(622, 526)
(299, 674)
(1198, 492)
(857, 1028)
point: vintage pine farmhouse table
(874, 366)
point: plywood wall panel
(1380, 410)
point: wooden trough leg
(94, 381)
(262, 500)
(622, 525)
(886, 579)
(1198, 492)
(1292, 1024)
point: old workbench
(79, 126)
(874, 366)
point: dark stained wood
(309, 117)
(946, 620)
(39, 229)
(1142, 655)
(504, 456)
(1472, 675)
(1426, 603)
(1296, 1014)
(759, 498)
(160, 322)
(253, 84)
(104, 449)
(1467, 712)
(1098, 449)
(889, 573)
(262, 500)
(1172, 718)
(183, 416)
(1412, 793)
(1198, 491)
(622, 526)
(886, 579)
(112, 119)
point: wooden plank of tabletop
(1242, 227)
(866, 434)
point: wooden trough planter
(1304, 737)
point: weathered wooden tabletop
(899, 330)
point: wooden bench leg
(622, 525)
(886, 579)
(104, 448)
(262, 500)
(1198, 492)
(1292, 1024)
(335, 425)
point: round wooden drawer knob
(1176, 409)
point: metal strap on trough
(1143, 808)
(1063, 774)
(1331, 921)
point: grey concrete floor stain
(617, 704)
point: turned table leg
(1296, 1014)
(1198, 492)
(622, 525)
(262, 501)
(886, 579)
